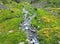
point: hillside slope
(10, 20)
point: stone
(11, 31)
(21, 43)
(58, 42)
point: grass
(10, 20)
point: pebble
(21, 43)
(38, 26)
(58, 42)
(11, 31)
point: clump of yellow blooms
(46, 32)
(54, 29)
(46, 29)
(3, 25)
(15, 10)
(46, 19)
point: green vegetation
(46, 3)
(10, 20)
(49, 27)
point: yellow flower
(3, 25)
(46, 34)
(15, 10)
(46, 29)
(46, 19)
